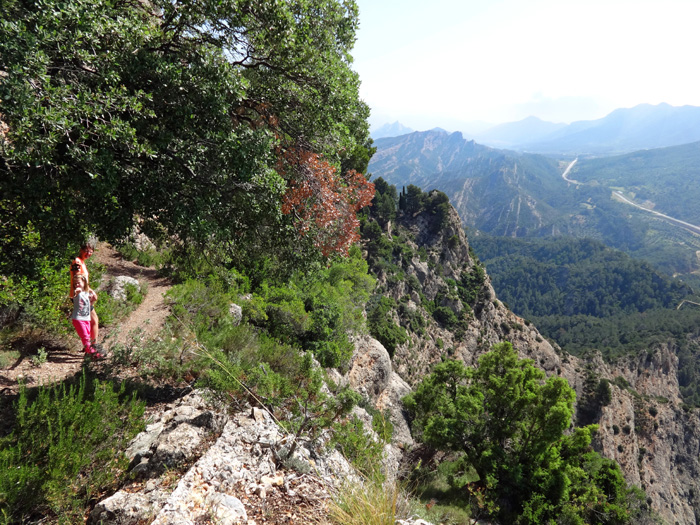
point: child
(83, 299)
(77, 267)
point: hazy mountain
(511, 134)
(624, 130)
(479, 180)
(514, 194)
(391, 130)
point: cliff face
(645, 426)
(436, 277)
(652, 435)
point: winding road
(566, 172)
(690, 227)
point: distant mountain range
(391, 130)
(622, 131)
(520, 194)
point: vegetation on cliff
(515, 458)
(231, 132)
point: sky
(455, 63)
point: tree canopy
(200, 120)
(509, 425)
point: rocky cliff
(643, 422)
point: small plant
(64, 449)
(7, 357)
(358, 446)
(40, 358)
(135, 294)
(369, 503)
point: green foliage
(40, 358)
(415, 199)
(314, 311)
(119, 110)
(508, 424)
(64, 449)
(574, 277)
(586, 296)
(596, 394)
(38, 299)
(438, 205)
(445, 316)
(149, 258)
(358, 446)
(385, 201)
(382, 327)
(471, 285)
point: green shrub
(358, 446)
(40, 299)
(64, 449)
(383, 328)
(470, 412)
(445, 316)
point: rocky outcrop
(372, 375)
(228, 468)
(117, 288)
(219, 468)
(442, 261)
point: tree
(197, 118)
(508, 423)
(414, 199)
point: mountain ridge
(644, 126)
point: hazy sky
(449, 62)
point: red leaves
(323, 203)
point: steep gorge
(425, 265)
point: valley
(512, 194)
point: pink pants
(83, 329)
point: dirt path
(64, 357)
(148, 318)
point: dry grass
(369, 503)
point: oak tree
(179, 115)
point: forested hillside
(588, 297)
(661, 179)
(568, 277)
